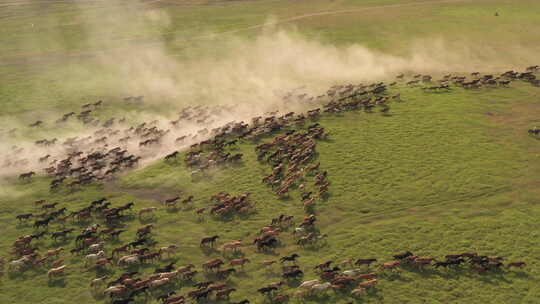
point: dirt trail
(21, 3)
(60, 56)
(347, 11)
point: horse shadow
(61, 282)
(73, 190)
(438, 92)
(285, 198)
(129, 217)
(240, 164)
(97, 295)
(374, 293)
(494, 277)
(315, 246)
(17, 275)
(172, 210)
(424, 272)
(169, 259)
(325, 196)
(310, 209)
(100, 272)
(520, 274)
(22, 225)
(293, 282)
(395, 276)
(62, 242)
(272, 272)
(136, 267)
(269, 251)
(451, 274)
(242, 273)
(115, 240)
(325, 139)
(148, 220)
(319, 298)
(187, 207)
(229, 255)
(209, 250)
(224, 217)
(246, 215)
(82, 223)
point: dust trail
(246, 77)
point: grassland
(444, 173)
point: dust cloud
(248, 77)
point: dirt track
(53, 57)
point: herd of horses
(115, 146)
(354, 277)
(289, 147)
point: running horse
(55, 272)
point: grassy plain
(444, 173)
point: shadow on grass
(22, 225)
(63, 242)
(209, 250)
(17, 275)
(148, 220)
(423, 272)
(242, 274)
(172, 210)
(494, 277)
(519, 274)
(229, 255)
(100, 272)
(60, 282)
(395, 276)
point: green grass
(430, 178)
(438, 176)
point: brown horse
(224, 293)
(122, 249)
(516, 264)
(209, 240)
(390, 265)
(212, 264)
(239, 262)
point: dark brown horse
(209, 240)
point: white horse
(358, 292)
(129, 259)
(171, 249)
(352, 272)
(91, 228)
(168, 275)
(115, 289)
(321, 287)
(56, 271)
(158, 283)
(299, 231)
(99, 281)
(92, 258)
(96, 247)
(309, 284)
(18, 263)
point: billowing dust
(232, 79)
